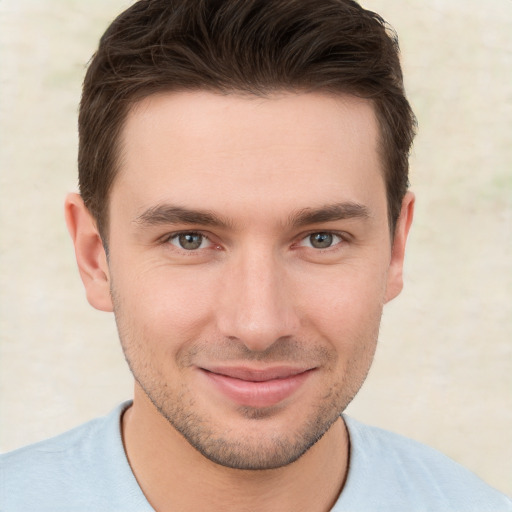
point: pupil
(190, 241)
(321, 240)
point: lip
(252, 387)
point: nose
(256, 306)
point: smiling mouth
(257, 387)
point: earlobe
(395, 271)
(90, 253)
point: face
(249, 262)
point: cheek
(345, 298)
(165, 307)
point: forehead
(284, 151)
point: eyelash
(344, 238)
(167, 240)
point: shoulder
(399, 472)
(79, 470)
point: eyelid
(191, 231)
(343, 235)
(166, 239)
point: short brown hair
(247, 46)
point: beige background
(443, 370)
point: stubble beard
(245, 452)
(214, 440)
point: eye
(189, 241)
(321, 240)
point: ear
(395, 272)
(90, 253)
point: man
(243, 210)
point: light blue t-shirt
(86, 470)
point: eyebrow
(328, 213)
(169, 214)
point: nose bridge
(257, 306)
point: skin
(255, 184)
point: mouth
(255, 387)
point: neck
(175, 476)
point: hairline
(102, 217)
